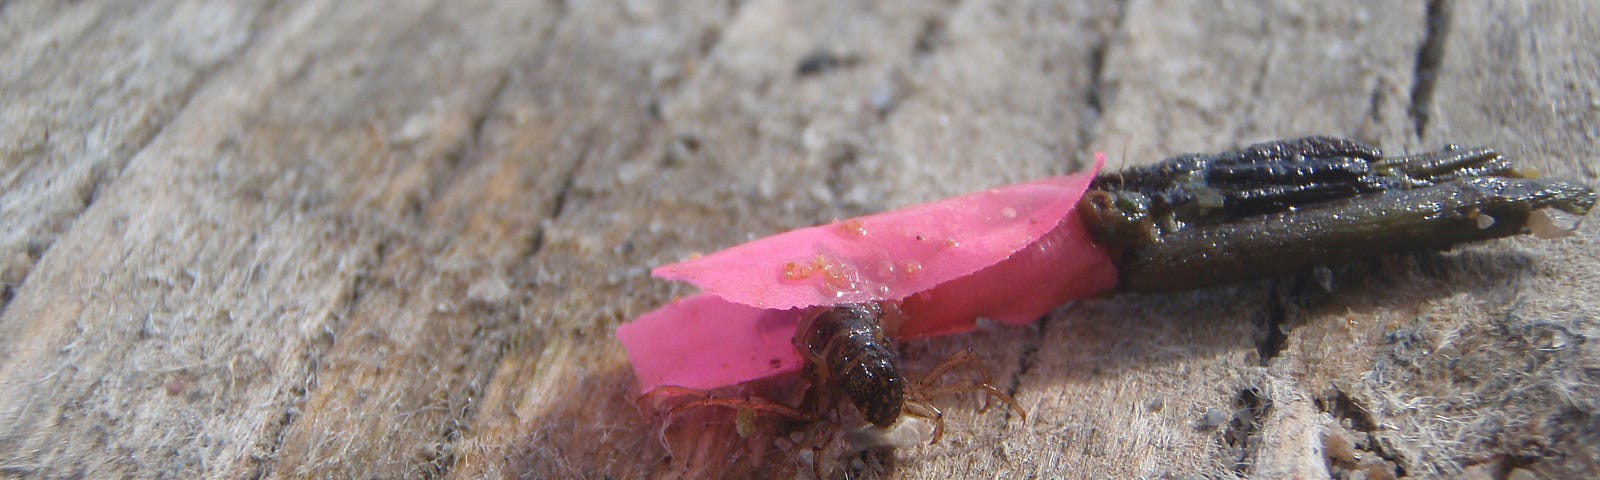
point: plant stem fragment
(1275, 208)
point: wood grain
(318, 239)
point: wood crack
(1375, 104)
(1430, 56)
(1025, 361)
(265, 458)
(559, 202)
(441, 460)
(1271, 321)
(435, 466)
(1243, 435)
(1353, 418)
(1096, 97)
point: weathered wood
(392, 239)
(86, 86)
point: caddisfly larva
(1192, 221)
(851, 359)
(850, 354)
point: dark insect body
(851, 357)
(850, 354)
(847, 347)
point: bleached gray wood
(391, 239)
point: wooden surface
(328, 239)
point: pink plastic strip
(1011, 254)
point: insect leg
(961, 358)
(928, 389)
(991, 390)
(926, 410)
(695, 399)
